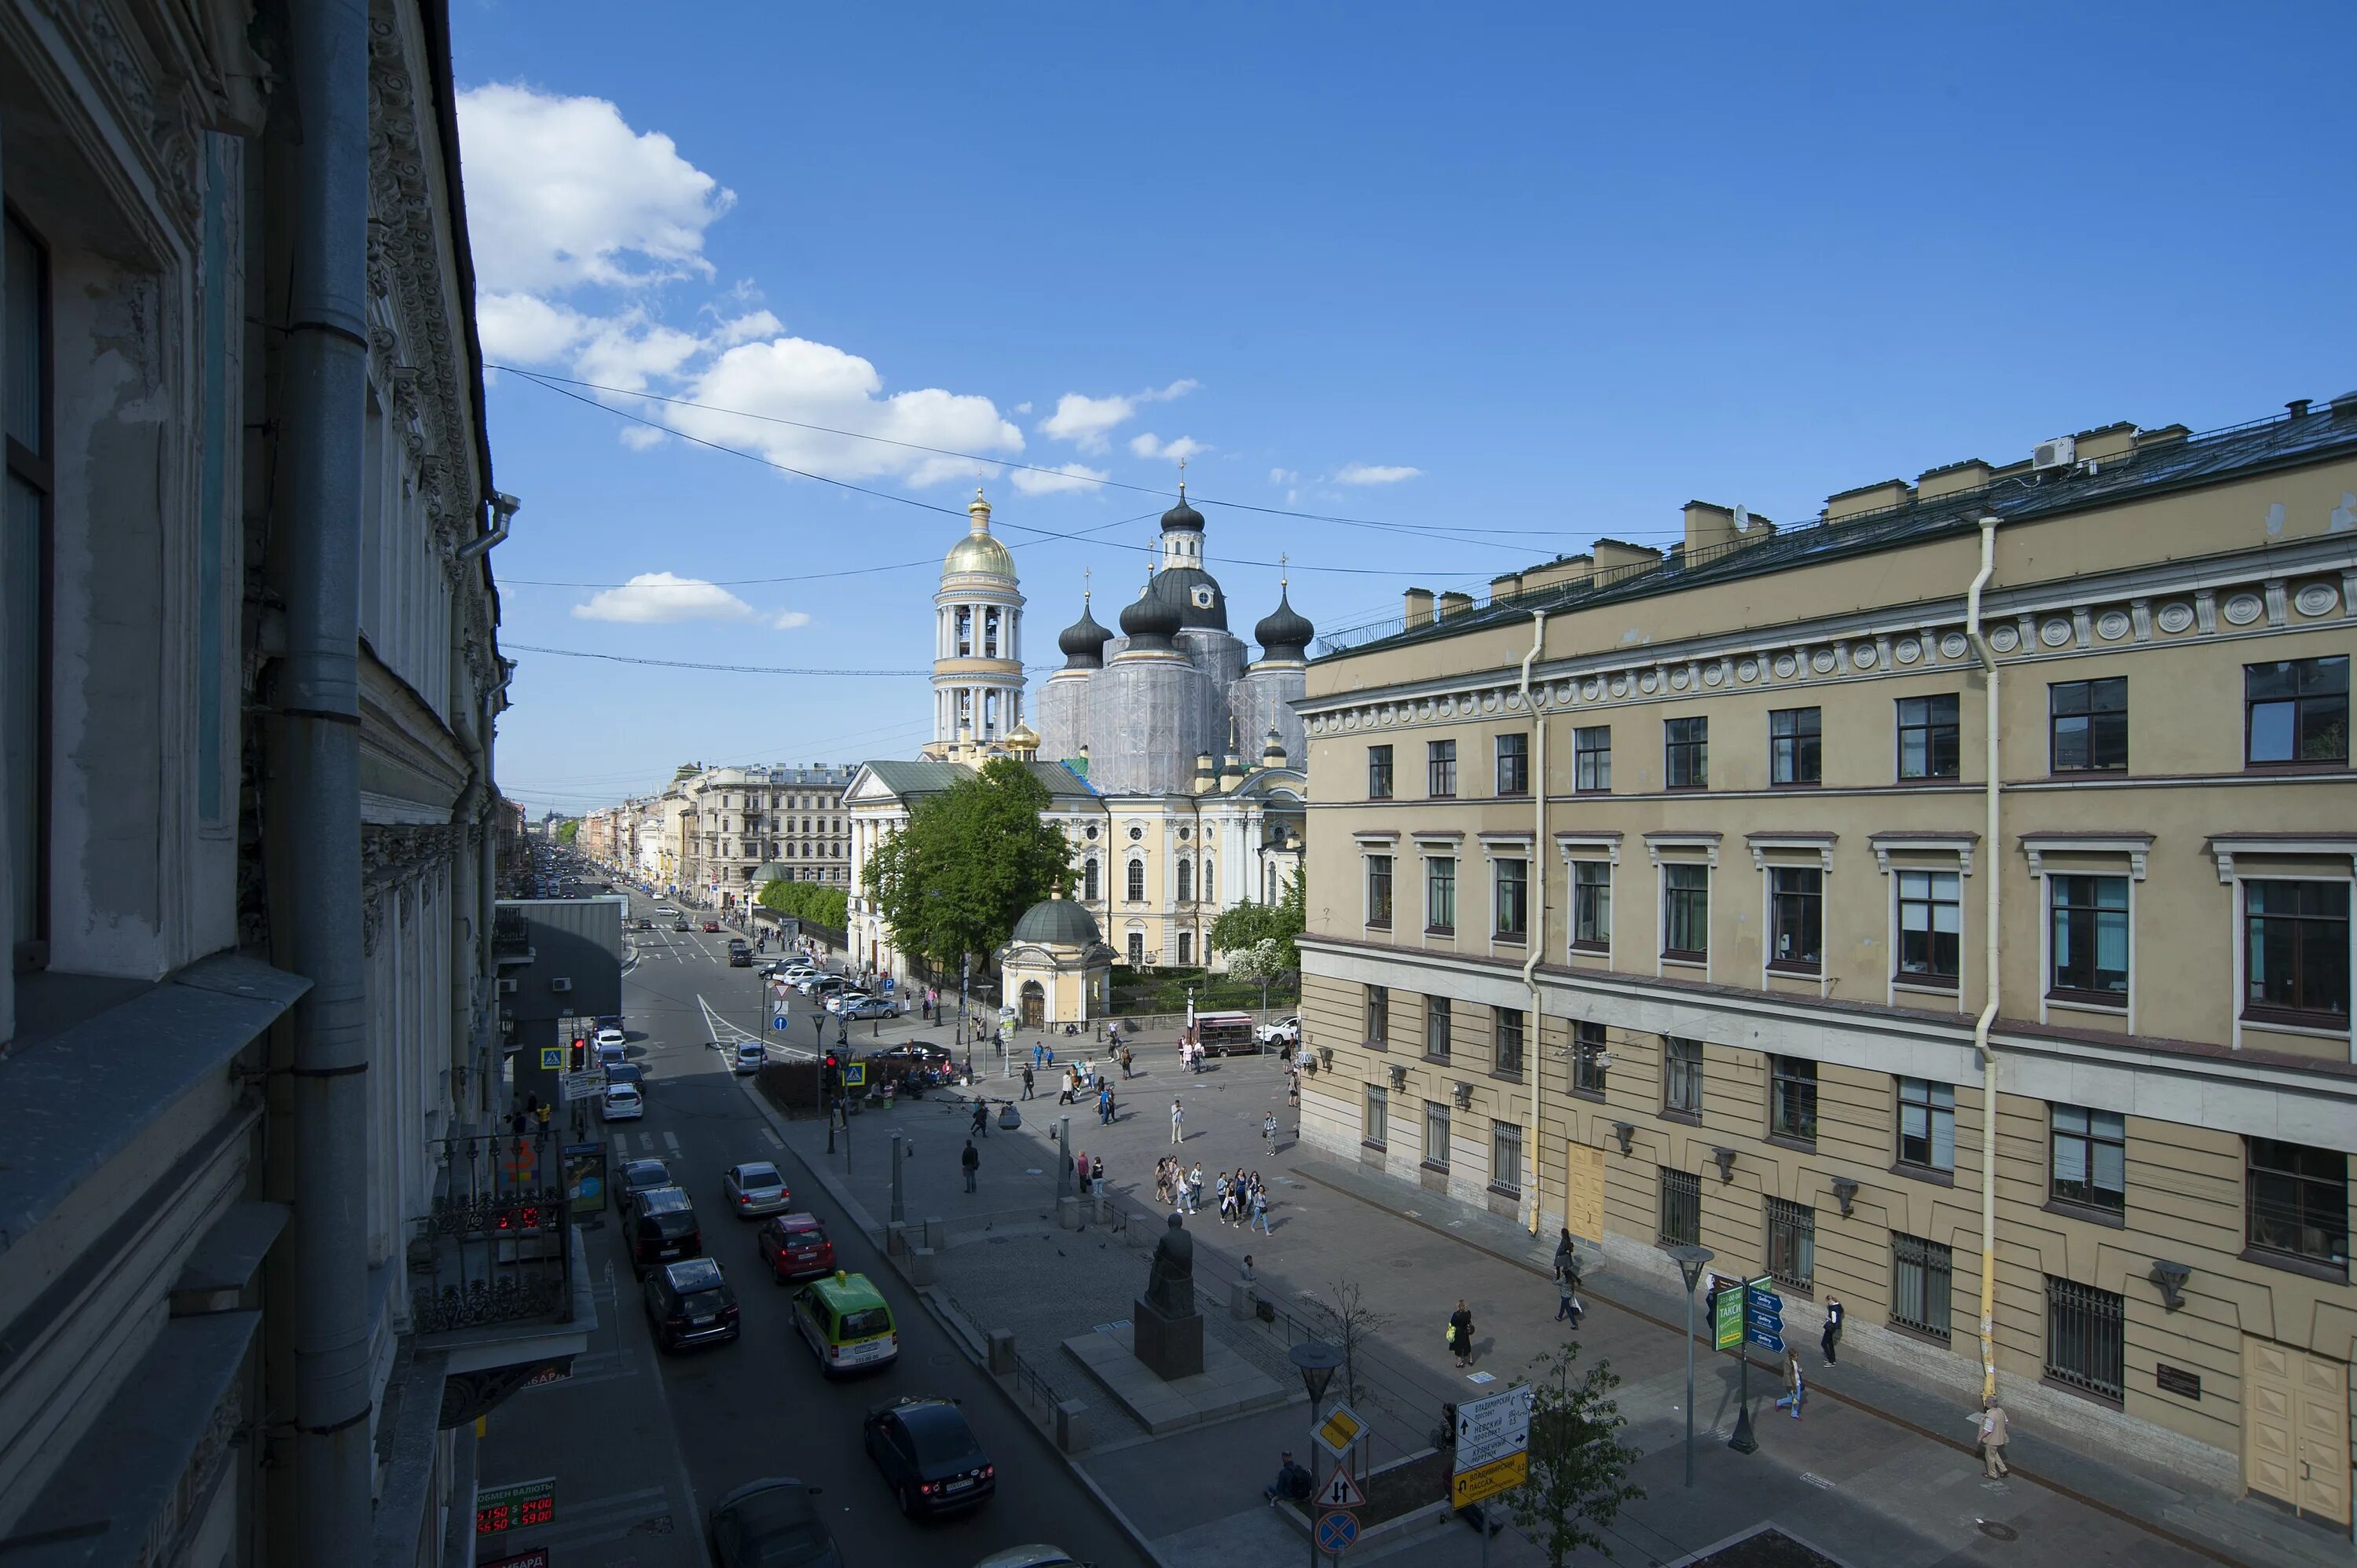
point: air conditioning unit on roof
(2059, 453)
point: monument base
(1171, 1347)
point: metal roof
(925, 777)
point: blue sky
(1539, 271)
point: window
(1379, 1016)
(1514, 899)
(1591, 904)
(2087, 725)
(2297, 1200)
(1928, 746)
(1440, 768)
(1137, 949)
(1930, 918)
(1440, 894)
(1681, 1222)
(1588, 1059)
(2296, 952)
(1685, 912)
(2083, 1337)
(1506, 1156)
(1514, 764)
(1377, 1128)
(1686, 754)
(1136, 890)
(1926, 1124)
(2090, 1157)
(1435, 1135)
(1089, 881)
(1922, 1283)
(1507, 1021)
(1792, 1244)
(24, 593)
(1681, 1076)
(1379, 890)
(1186, 880)
(1591, 759)
(1796, 916)
(1186, 947)
(1436, 1028)
(1378, 773)
(1795, 746)
(2296, 711)
(1792, 1097)
(2090, 938)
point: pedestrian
(1293, 1088)
(1566, 1289)
(1081, 1173)
(1460, 1333)
(1259, 1210)
(541, 1115)
(1195, 1187)
(1127, 1057)
(1292, 1481)
(1795, 1387)
(1247, 1275)
(972, 1162)
(1268, 1130)
(998, 1042)
(1995, 1430)
(981, 1117)
(1104, 1107)
(1564, 1248)
(1027, 1082)
(1113, 1106)
(1037, 1048)
(1096, 1173)
(1178, 1123)
(1830, 1340)
(1227, 1202)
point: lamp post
(1690, 1261)
(1316, 1360)
(965, 961)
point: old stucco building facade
(1679, 931)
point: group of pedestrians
(1243, 1199)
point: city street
(641, 1442)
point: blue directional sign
(779, 1023)
(1763, 1318)
(1337, 1531)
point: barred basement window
(1681, 1224)
(1792, 1243)
(1506, 1155)
(1922, 1283)
(2084, 1341)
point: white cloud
(629, 351)
(1023, 407)
(1283, 477)
(659, 599)
(1177, 389)
(639, 438)
(1374, 474)
(562, 192)
(747, 328)
(523, 327)
(1084, 420)
(1069, 477)
(790, 620)
(1147, 445)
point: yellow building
(1707, 898)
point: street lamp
(1690, 1261)
(1316, 1360)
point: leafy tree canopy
(567, 832)
(1249, 925)
(828, 906)
(971, 859)
(1578, 1466)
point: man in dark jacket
(1831, 1341)
(972, 1162)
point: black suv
(690, 1303)
(663, 1228)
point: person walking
(541, 1115)
(1994, 1431)
(1227, 1200)
(1259, 1210)
(1831, 1340)
(1564, 1248)
(1178, 1123)
(1566, 1289)
(1026, 1081)
(1127, 1057)
(1460, 1333)
(1795, 1387)
(1195, 1189)
(1268, 1131)
(1104, 1106)
(981, 1117)
(972, 1162)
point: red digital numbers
(513, 1508)
(535, 1510)
(495, 1518)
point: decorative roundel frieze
(1680, 680)
(1388, 717)
(1593, 689)
(2055, 632)
(1821, 661)
(2316, 599)
(1489, 703)
(1865, 656)
(2175, 616)
(1649, 681)
(1563, 691)
(1514, 699)
(1426, 711)
(2242, 609)
(1953, 646)
(1619, 685)
(2005, 639)
(1351, 719)
(1749, 671)
(1907, 650)
(1785, 666)
(2112, 625)
(1714, 675)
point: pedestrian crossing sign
(552, 1058)
(855, 1075)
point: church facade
(1170, 755)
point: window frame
(1440, 876)
(1793, 1100)
(2059, 908)
(2094, 1137)
(1133, 885)
(1510, 899)
(1506, 1149)
(1789, 1238)
(36, 471)
(1931, 1261)
(1509, 1035)
(1686, 920)
(1679, 1197)
(1376, 1117)
(1375, 1014)
(1933, 728)
(2089, 716)
(1441, 770)
(1682, 1058)
(2335, 933)
(1440, 1027)
(1931, 903)
(2102, 1333)
(1436, 1115)
(1591, 1055)
(1379, 890)
(1796, 758)
(1380, 779)
(1511, 746)
(1804, 905)
(1591, 899)
(1591, 763)
(1935, 1100)
(1685, 750)
(2334, 1203)
(2298, 702)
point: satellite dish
(1742, 518)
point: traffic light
(833, 1074)
(580, 1055)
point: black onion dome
(1182, 515)
(1082, 642)
(1150, 620)
(1286, 632)
(1194, 595)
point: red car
(712, 926)
(796, 1248)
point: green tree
(567, 832)
(1579, 1467)
(829, 907)
(1248, 925)
(971, 859)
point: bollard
(1071, 1426)
(920, 1266)
(1002, 1351)
(1104, 1209)
(1239, 1300)
(937, 1232)
(1068, 1214)
(895, 1239)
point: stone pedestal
(1171, 1347)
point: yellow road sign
(1488, 1480)
(1339, 1430)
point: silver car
(756, 1187)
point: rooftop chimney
(1453, 603)
(1505, 587)
(1419, 608)
(2297, 408)
(1878, 497)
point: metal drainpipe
(1991, 859)
(315, 533)
(1533, 1047)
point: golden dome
(978, 551)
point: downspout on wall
(1996, 897)
(1535, 1048)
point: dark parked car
(770, 1524)
(689, 1304)
(929, 1456)
(630, 1073)
(681, 925)
(641, 1176)
(663, 1228)
(796, 1248)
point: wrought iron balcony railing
(493, 1249)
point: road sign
(552, 1058)
(1490, 1429)
(1338, 1431)
(1502, 1473)
(1726, 1316)
(779, 1023)
(855, 1075)
(1763, 1318)
(1340, 1491)
(1337, 1531)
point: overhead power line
(690, 665)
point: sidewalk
(1877, 1473)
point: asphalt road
(760, 1407)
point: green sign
(1726, 1316)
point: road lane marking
(671, 1142)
